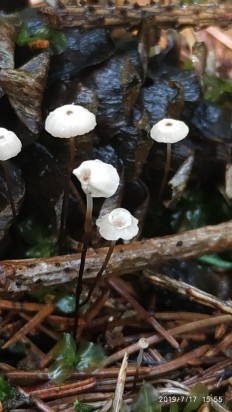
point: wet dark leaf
(44, 173)
(83, 49)
(185, 78)
(7, 44)
(25, 87)
(213, 122)
(136, 199)
(112, 83)
(18, 191)
(156, 99)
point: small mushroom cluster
(98, 179)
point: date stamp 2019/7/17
(188, 398)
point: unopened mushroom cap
(169, 131)
(97, 178)
(143, 343)
(10, 145)
(69, 121)
(118, 224)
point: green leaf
(173, 407)
(216, 261)
(89, 356)
(198, 392)
(59, 371)
(64, 353)
(216, 87)
(80, 407)
(147, 399)
(6, 390)
(25, 36)
(67, 349)
(43, 249)
(58, 42)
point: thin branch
(23, 275)
(168, 16)
(191, 292)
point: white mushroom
(118, 224)
(10, 145)
(98, 179)
(168, 131)
(69, 121)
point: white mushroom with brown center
(168, 131)
(10, 145)
(118, 224)
(70, 120)
(67, 122)
(98, 179)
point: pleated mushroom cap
(118, 224)
(169, 131)
(69, 121)
(10, 145)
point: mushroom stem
(100, 273)
(8, 184)
(87, 236)
(66, 191)
(166, 170)
(143, 344)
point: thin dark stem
(99, 274)
(66, 191)
(166, 170)
(79, 287)
(8, 184)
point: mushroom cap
(143, 343)
(10, 145)
(169, 131)
(70, 120)
(97, 178)
(118, 224)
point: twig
(191, 292)
(59, 391)
(171, 15)
(116, 284)
(178, 330)
(22, 275)
(117, 401)
(37, 319)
